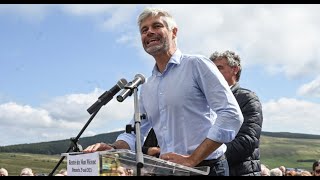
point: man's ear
(235, 70)
(174, 32)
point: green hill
(289, 152)
(287, 149)
(39, 163)
(58, 147)
(291, 135)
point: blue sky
(56, 60)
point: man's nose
(150, 31)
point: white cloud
(87, 9)
(29, 12)
(291, 115)
(65, 116)
(61, 118)
(129, 39)
(110, 16)
(24, 115)
(311, 89)
(120, 16)
(283, 38)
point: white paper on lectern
(83, 164)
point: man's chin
(153, 50)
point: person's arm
(222, 101)
(153, 151)
(150, 146)
(103, 146)
(203, 150)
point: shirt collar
(175, 59)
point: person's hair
(4, 171)
(26, 172)
(315, 164)
(283, 169)
(168, 19)
(232, 58)
(153, 12)
(305, 173)
(265, 170)
(275, 172)
(291, 173)
(63, 172)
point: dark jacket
(151, 141)
(243, 152)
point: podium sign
(119, 162)
(83, 164)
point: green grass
(15, 162)
(275, 152)
(288, 152)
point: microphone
(128, 89)
(107, 96)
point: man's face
(228, 72)
(155, 36)
(317, 171)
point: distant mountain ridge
(61, 146)
(291, 135)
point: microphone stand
(137, 123)
(74, 146)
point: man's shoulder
(246, 92)
(195, 58)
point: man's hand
(179, 159)
(97, 147)
(153, 151)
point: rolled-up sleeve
(229, 118)
(128, 138)
(221, 100)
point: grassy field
(288, 152)
(274, 153)
(15, 162)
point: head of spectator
(264, 170)
(316, 168)
(121, 171)
(291, 173)
(64, 172)
(229, 64)
(3, 172)
(283, 169)
(305, 173)
(26, 172)
(275, 172)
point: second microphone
(128, 89)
